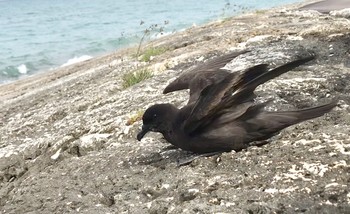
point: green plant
(260, 11)
(153, 51)
(153, 28)
(234, 8)
(137, 76)
(225, 9)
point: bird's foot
(188, 160)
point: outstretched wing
(211, 68)
(202, 80)
(211, 96)
(232, 91)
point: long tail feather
(307, 114)
(268, 124)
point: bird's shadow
(171, 155)
(167, 156)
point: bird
(223, 118)
(203, 75)
(209, 73)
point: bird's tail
(283, 119)
(268, 124)
(304, 114)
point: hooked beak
(142, 133)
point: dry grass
(134, 118)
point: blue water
(38, 35)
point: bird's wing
(211, 96)
(202, 80)
(202, 71)
(214, 99)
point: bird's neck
(174, 132)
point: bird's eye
(155, 115)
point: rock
(345, 13)
(66, 146)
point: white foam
(76, 60)
(22, 69)
(161, 34)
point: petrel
(223, 118)
(203, 75)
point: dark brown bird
(222, 120)
(203, 75)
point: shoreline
(48, 76)
(57, 66)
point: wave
(162, 34)
(22, 69)
(76, 60)
(15, 71)
(11, 73)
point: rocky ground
(67, 144)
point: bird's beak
(142, 133)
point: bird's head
(157, 118)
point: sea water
(39, 35)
